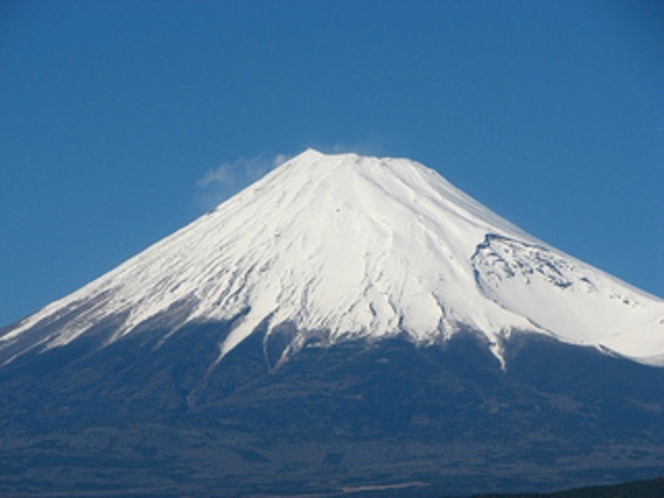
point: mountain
(340, 247)
(346, 325)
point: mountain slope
(133, 419)
(347, 326)
(349, 246)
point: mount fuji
(347, 325)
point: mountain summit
(332, 247)
(346, 326)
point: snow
(352, 246)
(577, 303)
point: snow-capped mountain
(346, 326)
(337, 247)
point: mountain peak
(343, 246)
(309, 154)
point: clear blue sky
(113, 114)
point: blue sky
(121, 121)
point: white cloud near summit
(220, 183)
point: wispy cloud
(228, 178)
